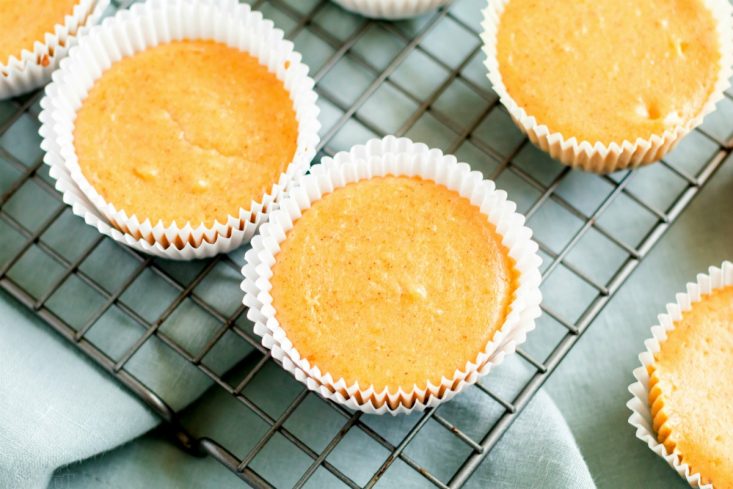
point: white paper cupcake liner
(395, 157)
(641, 416)
(598, 157)
(145, 26)
(32, 67)
(391, 9)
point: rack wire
(174, 332)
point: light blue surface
(590, 386)
(56, 408)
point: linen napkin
(56, 408)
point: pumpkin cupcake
(681, 406)
(35, 35)
(395, 277)
(188, 166)
(605, 85)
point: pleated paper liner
(32, 67)
(641, 416)
(598, 157)
(395, 157)
(391, 9)
(145, 26)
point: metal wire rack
(173, 332)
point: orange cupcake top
(392, 282)
(189, 131)
(690, 388)
(609, 70)
(22, 23)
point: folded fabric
(57, 408)
(537, 451)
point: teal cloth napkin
(57, 409)
(551, 460)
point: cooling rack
(176, 332)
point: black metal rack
(373, 78)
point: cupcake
(682, 403)
(391, 9)
(391, 277)
(176, 141)
(607, 85)
(35, 35)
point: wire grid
(420, 86)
